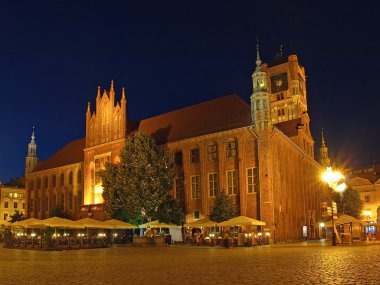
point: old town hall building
(261, 154)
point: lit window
(195, 187)
(213, 184)
(232, 182)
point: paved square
(274, 264)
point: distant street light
(334, 181)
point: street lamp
(334, 181)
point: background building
(11, 199)
(261, 154)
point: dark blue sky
(171, 54)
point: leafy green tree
(17, 216)
(223, 209)
(349, 202)
(140, 183)
(170, 212)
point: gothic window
(62, 179)
(31, 185)
(71, 178)
(265, 103)
(196, 187)
(212, 152)
(194, 155)
(257, 104)
(38, 183)
(46, 182)
(54, 180)
(79, 176)
(231, 148)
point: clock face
(279, 82)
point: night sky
(172, 54)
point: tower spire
(33, 137)
(324, 159)
(281, 49)
(123, 94)
(31, 158)
(258, 60)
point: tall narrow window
(62, 179)
(194, 155)
(178, 158)
(212, 152)
(231, 149)
(31, 185)
(54, 180)
(213, 184)
(38, 183)
(179, 188)
(79, 176)
(6, 204)
(71, 178)
(46, 182)
(232, 182)
(195, 187)
(252, 180)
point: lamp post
(334, 181)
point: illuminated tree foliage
(17, 216)
(223, 209)
(140, 183)
(349, 203)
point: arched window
(54, 180)
(46, 182)
(79, 176)
(62, 179)
(38, 183)
(71, 178)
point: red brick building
(261, 154)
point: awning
(28, 223)
(56, 222)
(91, 223)
(202, 223)
(344, 219)
(157, 224)
(116, 224)
(241, 221)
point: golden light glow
(98, 199)
(367, 213)
(333, 179)
(322, 225)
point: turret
(260, 98)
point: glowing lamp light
(267, 234)
(33, 234)
(260, 234)
(98, 188)
(367, 213)
(322, 225)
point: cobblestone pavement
(273, 264)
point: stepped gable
(289, 128)
(221, 114)
(69, 154)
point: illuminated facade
(261, 154)
(11, 199)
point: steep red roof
(289, 128)
(216, 115)
(69, 154)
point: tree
(16, 182)
(141, 182)
(170, 212)
(349, 203)
(17, 216)
(223, 209)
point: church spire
(258, 60)
(123, 94)
(31, 158)
(324, 159)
